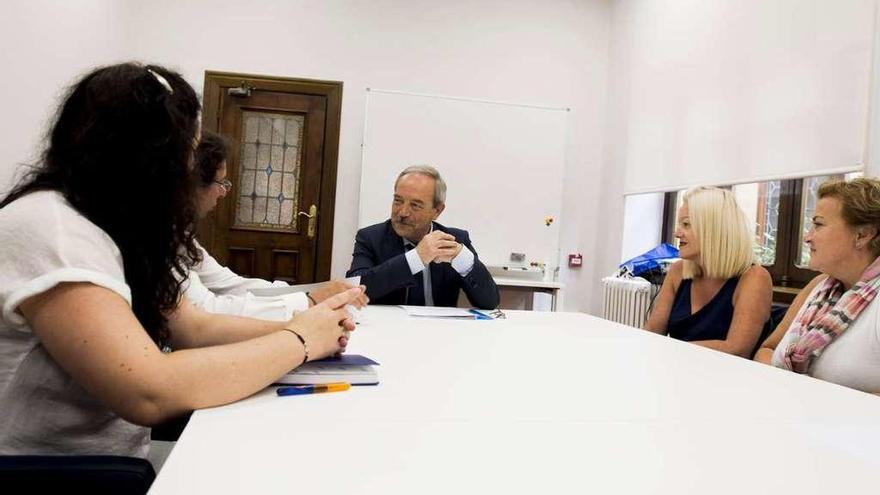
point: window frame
(784, 270)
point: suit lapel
(392, 244)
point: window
(782, 211)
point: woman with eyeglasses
(217, 289)
(96, 342)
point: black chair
(92, 474)
(170, 430)
(777, 313)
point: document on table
(290, 289)
(437, 312)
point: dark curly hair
(212, 151)
(120, 151)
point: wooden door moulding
(215, 82)
(215, 86)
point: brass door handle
(312, 215)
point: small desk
(528, 285)
(537, 403)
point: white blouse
(853, 358)
(46, 242)
(217, 289)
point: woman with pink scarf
(833, 332)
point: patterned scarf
(827, 315)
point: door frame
(216, 83)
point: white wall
(46, 45)
(551, 53)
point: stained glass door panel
(269, 173)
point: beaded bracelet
(305, 346)
(311, 299)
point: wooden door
(277, 222)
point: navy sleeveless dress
(711, 322)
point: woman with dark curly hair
(95, 242)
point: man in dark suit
(410, 259)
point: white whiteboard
(503, 164)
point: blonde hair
(723, 235)
(859, 201)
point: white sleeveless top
(853, 358)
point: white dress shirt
(217, 289)
(463, 263)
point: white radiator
(627, 300)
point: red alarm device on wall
(575, 260)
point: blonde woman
(832, 330)
(717, 295)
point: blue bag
(650, 261)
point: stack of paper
(290, 289)
(438, 312)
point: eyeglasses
(226, 184)
(497, 314)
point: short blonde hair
(859, 201)
(722, 230)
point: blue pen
(480, 315)
(312, 389)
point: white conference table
(538, 403)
